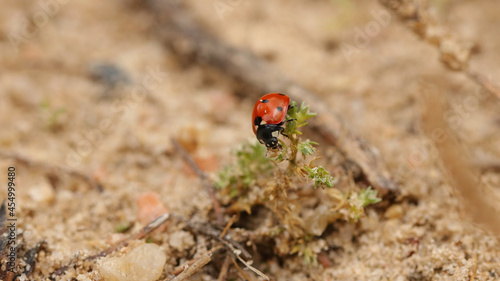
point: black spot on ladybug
(279, 108)
(257, 121)
(280, 94)
(264, 101)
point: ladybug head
(268, 135)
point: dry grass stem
(479, 201)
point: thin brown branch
(416, 14)
(186, 270)
(51, 168)
(247, 264)
(207, 184)
(179, 269)
(188, 40)
(228, 225)
(225, 268)
(240, 271)
(474, 267)
(479, 200)
(190, 161)
(124, 243)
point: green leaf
(368, 196)
(320, 176)
(297, 117)
(233, 193)
(123, 227)
(304, 114)
(306, 147)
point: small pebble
(317, 222)
(149, 207)
(144, 262)
(42, 193)
(394, 212)
(181, 240)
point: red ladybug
(268, 118)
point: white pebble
(145, 262)
(42, 193)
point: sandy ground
(54, 110)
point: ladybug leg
(281, 132)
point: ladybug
(268, 118)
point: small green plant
(251, 163)
(357, 202)
(123, 227)
(368, 196)
(260, 177)
(320, 176)
(251, 166)
(51, 115)
(303, 248)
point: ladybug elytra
(268, 118)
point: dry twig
(207, 184)
(224, 269)
(51, 168)
(480, 202)
(416, 14)
(228, 225)
(188, 269)
(188, 39)
(240, 271)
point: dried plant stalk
(479, 201)
(416, 14)
(187, 270)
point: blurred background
(94, 87)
